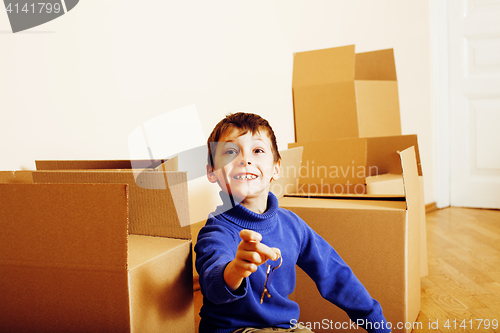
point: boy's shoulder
(289, 214)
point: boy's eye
(258, 150)
(231, 151)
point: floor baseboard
(431, 207)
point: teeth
(245, 177)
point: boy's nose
(245, 162)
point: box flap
(145, 248)
(382, 153)
(378, 108)
(318, 202)
(376, 65)
(325, 112)
(60, 225)
(289, 178)
(16, 177)
(171, 164)
(97, 164)
(323, 66)
(385, 184)
(347, 196)
(412, 191)
(161, 288)
(158, 200)
(332, 162)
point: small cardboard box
(75, 260)
(378, 238)
(340, 94)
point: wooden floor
(464, 271)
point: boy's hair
(244, 122)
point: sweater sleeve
(337, 283)
(214, 250)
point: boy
(249, 228)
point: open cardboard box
(369, 167)
(340, 94)
(81, 254)
(379, 238)
(342, 166)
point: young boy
(249, 228)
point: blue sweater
(225, 311)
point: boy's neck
(257, 205)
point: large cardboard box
(338, 93)
(79, 254)
(377, 237)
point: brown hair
(245, 122)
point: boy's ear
(211, 175)
(277, 171)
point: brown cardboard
(69, 262)
(161, 287)
(340, 94)
(387, 183)
(342, 165)
(424, 266)
(16, 177)
(380, 241)
(103, 164)
(390, 184)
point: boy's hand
(251, 253)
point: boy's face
(246, 164)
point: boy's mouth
(244, 176)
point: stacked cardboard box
(359, 183)
(90, 250)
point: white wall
(75, 88)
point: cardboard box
(340, 94)
(341, 166)
(71, 262)
(379, 239)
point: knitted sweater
(225, 311)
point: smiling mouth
(245, 177)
